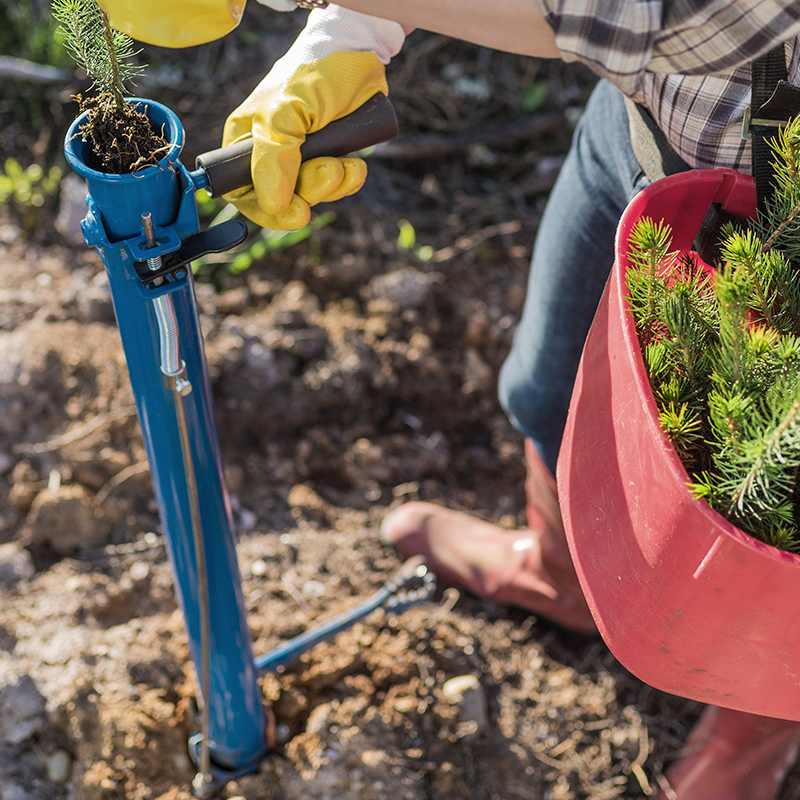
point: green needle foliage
(722, 352)
(106, 54)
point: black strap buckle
(748, 122)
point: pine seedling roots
(122, 138)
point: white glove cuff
(335, 29)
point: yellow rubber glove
(314, 84)
(175, 23)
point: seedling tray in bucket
(685, 600)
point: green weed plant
(27, 187)
(29, 192)
(722, 352)
(407, 242)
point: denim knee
(538, 415)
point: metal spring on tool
(168, 335)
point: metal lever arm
(412, 584)
(216, 239)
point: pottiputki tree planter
(154, 302)
(145, 227)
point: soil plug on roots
(122, 138)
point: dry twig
(81, 432)
(139, 468)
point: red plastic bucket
(686, 601)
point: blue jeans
(572, 258)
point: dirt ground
(349, 376)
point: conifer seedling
(722, 353)
(122, 138)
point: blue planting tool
(145, 227)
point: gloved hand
(334, 66)
(177, 23)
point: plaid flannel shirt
(687, 61)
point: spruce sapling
(122, 138)
(723, 357)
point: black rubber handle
(228, 168)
